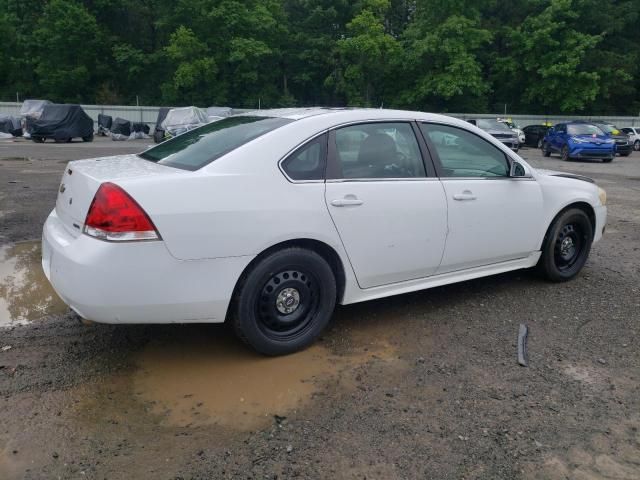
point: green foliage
(538, 56)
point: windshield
(199, 147)
(490, 124)
(583, 129)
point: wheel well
(585, 207)
(321, 248)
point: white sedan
(268, 219)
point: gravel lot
(424, 385)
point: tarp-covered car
(180, 120)
(30, 111)
(158, 132)
(62, 122)
(10, 124)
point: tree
(441, 66)
(65, 45)
(364, 56)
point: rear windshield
(199, 147)
(583, 129)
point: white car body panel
(407, 235)
(386, 242)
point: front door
(492, 217)
(391, 217)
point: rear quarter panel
(239, 205)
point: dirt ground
(424, 385)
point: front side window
(378, 150)
(307, 162)
(464, 154)
(199, 147)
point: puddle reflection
(25, 293)
(217, 380)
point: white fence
(135, 114)
(149, 115)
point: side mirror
(518, 171)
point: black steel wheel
(566, 246)
(565, 154)
(285, 301)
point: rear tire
(284, 302)
(38, 139)
(566, 246)
(546, 151)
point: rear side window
(195, 149)
(307, 162)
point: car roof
(346, 114)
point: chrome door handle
(466, 195)
(347, 201)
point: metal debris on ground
(523, 357)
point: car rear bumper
(135, 282)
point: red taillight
(115, 216)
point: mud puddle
(215, 380)
(25, 293)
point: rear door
(390, 213)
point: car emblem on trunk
(62, 188)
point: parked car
(634, 136)
(499, 130)
(270, 218)
(158, 131)
(180, 120)
(514, 128)
(62, 123)
(578, 140)
(534, 135)
(30, 111)
(623, 145)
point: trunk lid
(82, 178)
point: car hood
(553, 173)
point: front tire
(285, 301)
(566, 246)
(565, 154)
(636, 145)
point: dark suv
(623, 144)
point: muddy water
(25, 293)
(217, 380)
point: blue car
(578, 140)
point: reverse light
(602, 194)
(115, 216)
